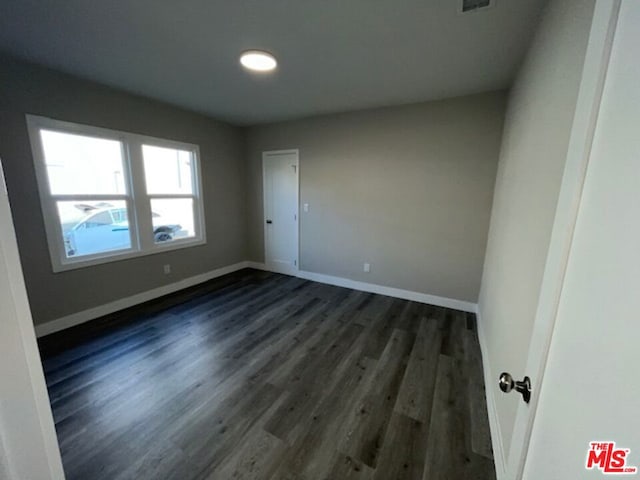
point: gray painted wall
(532, 159)
(407, 189)
(29, 89)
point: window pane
(167, 170)
(81, 165)
(172, 219)
(89, 228)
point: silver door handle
(507, 384)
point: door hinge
(295, 217)
(295, 168)
(295, 263)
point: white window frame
(137, 199)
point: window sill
(93, 260)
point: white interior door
(280, 174)
(28, 443)
(590, 391)
(578, 155)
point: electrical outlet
(367, 267)
(167, 269)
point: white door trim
(265, 155)
(27, 431)
(580, 141)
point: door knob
(507, 384)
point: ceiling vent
(473, 5)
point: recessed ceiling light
(258, 61)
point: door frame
(27, 430)
(265, 155)
(594, 72)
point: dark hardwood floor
(264, 376)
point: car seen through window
(105, 227)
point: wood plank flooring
(263, 376)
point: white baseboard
(120, 304)
(379, 289)
(499, 457)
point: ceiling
(334, 55)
